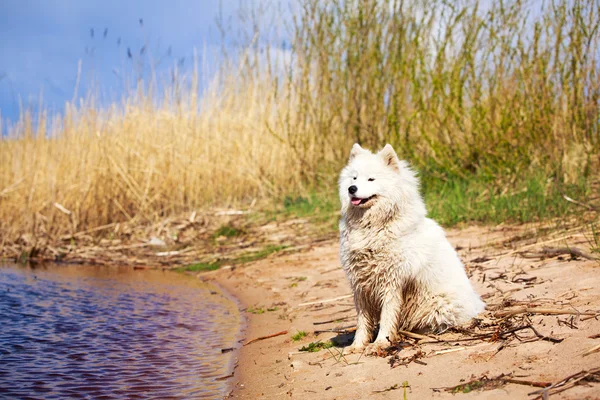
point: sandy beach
(540, 327)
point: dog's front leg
(388, 322)
(364, 330)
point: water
(108, 332)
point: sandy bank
(552, 293)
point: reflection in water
(75, 331)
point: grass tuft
(314, 347)
(299, 336)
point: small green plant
(201, 267)
(313, 347)
(271, 309)
(295, 280)
(298, 336)
(469, 387)
(257, 255)
(256, 310)
(228, 231)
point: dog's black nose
(352, 189)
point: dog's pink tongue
(355, 201)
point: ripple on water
(108, 332)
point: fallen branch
(592, 350)
(440, 352)
(567, 383)
(527, 383)
(333, 320)
(557, 251)
(539, 310)
(266, 337)
(324, 301)
(486, 383)
(348, 329)
(415, 335)
(570, 200)
(96, 229)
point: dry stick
(569, 236)
(266, 337)
(347, 329)
(588, 206)
(539, 310)
(527, 383)
(562, 385)
(500, 334)
(440, 352)
(592, 350)
(332, 320)
(98, 228)
(415, 335)
(557, 251)
(324, 301)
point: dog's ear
(356, 150)
(390, 157)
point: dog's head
(380, 180)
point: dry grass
(465, 93)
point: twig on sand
(557, 251)
(440, 352)
(324, 301)
(490, 383)
(539, 310)
(529, 246)
(497, 335)
(592, 375)
(570, 200)
(527, 383)
(266, 337)
(333, 320)
(592, 350)
(415, 335)
(344, 330)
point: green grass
(228, 231)
(314, 347)
(299, 336)
(477, 198)
(474, 197)
(267, 251)
(244, 258)
(256, 310)
(468, 387)
(201, 267)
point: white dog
(404, 273)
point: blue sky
(42, 42)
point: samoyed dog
(404, 273)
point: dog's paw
(355, 349)
(376, 349)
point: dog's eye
(371, 179)
(354, 178)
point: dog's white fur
(404, 273)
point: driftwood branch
(557, 251)
(266, 337)
(539, 310)
(567, 383)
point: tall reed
(493, 90)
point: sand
(293, 292)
